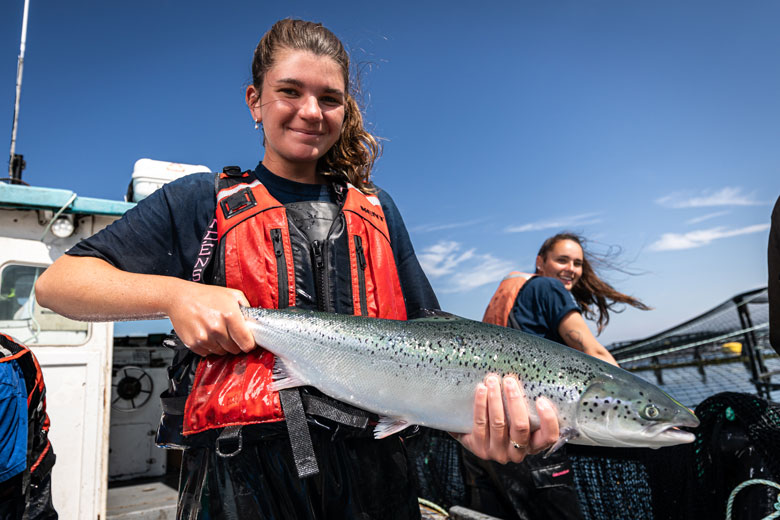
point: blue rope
(747, 483)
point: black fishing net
(724, 349)
(607, 482)
(738, 440)
(437, 467)
(746, 314)
(633, 483)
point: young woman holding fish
(305, 228)
(550, 303)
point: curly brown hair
(590, 290)
(353, 155)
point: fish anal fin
(566, 434)
(388, 426)
(284, 377)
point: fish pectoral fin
(566, 434)
(388, 426)
(284, 377)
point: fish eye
(651, 412)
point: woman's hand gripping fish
(426, 371)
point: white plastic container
(149, 175)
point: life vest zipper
(281, 268)
(321, 275)
(361, 274)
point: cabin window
(25, 320)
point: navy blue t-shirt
(541, 305)
(162, 234)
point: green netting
(610, 484)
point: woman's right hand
(208, 319)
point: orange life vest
(503, 300)
(256, 255)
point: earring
(257, 124)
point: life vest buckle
(237, 202)
(233, 171)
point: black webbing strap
(298, 429)
(229, 442)
(335, 411)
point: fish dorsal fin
(435, 315)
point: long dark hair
(354, 153)
(594, 296)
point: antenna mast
(16, 162)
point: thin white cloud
(429, 228)
(708, 216)
(456, 271)
(488, 270)
(442, 258)
(702, 237)
(558, 222)
(729, 196)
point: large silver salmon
(425, 372)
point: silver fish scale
(387, 366)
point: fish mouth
(667, 434)
(672, 432)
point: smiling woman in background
(549, 303)
(565, 287)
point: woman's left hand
(508, 439)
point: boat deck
(148, 499)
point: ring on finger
(517, 445)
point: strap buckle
(230, 438)
(237, 202)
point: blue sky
(648, 126)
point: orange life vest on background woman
(504, 298)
